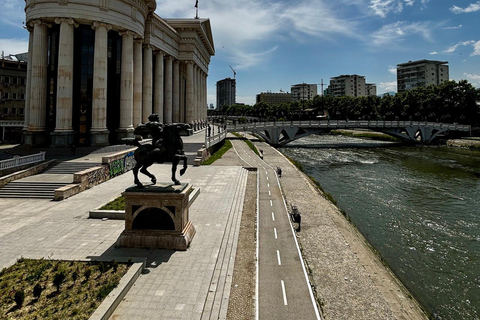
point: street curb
(108, 306)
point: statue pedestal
(157, 217)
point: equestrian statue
(166, 146)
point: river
(419, 206)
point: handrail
(20, 161)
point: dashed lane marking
(278, 258)
(284, 293)
(273, 216)
(275, 232)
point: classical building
(303, 91)
(226, 92)
(350, 86)
(13, 74)
(274, 98)
(99, 68)
(421, 73)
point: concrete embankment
(349, 279)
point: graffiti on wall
(98, 176)
(122, 165)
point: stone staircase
(30, 190)
(45, 183)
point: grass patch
(368, 135)
(47, 289)
(248, 142)
(217, 155)
(117, 204)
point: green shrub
(37, 290)
(19, 298)
(87, 274)
(58, 279)
(106, 289)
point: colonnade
(151, 81)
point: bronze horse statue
(167, 146)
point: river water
(419, 206)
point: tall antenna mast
(322, 86)
(196, 6)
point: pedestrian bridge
(281, 133)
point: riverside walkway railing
(213, 139)
(20, 161)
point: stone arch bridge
(281, 133)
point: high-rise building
(226, 91)
(421, 73)
(13, 74)
(303, 91)
(274, 98)
(97, 69)
(351, 86)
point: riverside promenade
(348, 280)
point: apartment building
(421, 73)
(349, 85)
(303, 91)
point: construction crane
(234, 72)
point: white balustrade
(20, 161)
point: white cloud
(433, 52)
(383, 7)
(409, 2)
(470, 8)
(453, 28)
(388, 86)
(246, 32)
(396, 32)
(476, 49)
(13, 46)
(454, 47)
(12, 13)
(474, 79)
(392, 69)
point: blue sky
(273, 44)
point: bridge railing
(20, 161)
(213, 139)
(336, 124)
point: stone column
(99, 131)
(27, 84)
(36, 134)
(176, 91)
(147, 82)
(63, 134)
(189, 93)
(158, 90)
(137, 82)
(168, 112)
(195, 100)
(126, 87)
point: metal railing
(20, 161)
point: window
(14, 111)
(6, 96)
(5, 110)
(15, 80)
(14, 96)
(7, 79)
(22, 96)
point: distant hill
(391, 93)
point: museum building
(98, 68)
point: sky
(273, 44)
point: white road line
(267, 178)
(266, 172)
(268, 185)
(278, 258)
(273, 216)
(271, 203)
(275, 232)
(284, 293)
(269, 193)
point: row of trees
(448, 102)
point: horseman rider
(155, 128)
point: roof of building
(421, 61)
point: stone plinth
(157, 217)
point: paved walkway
(193, 284)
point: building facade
(13, 74)
(370, 89)
(99, 68)
(226, 93)
(274, 98)
(349, 85)
(303, 91)
(421, 73)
